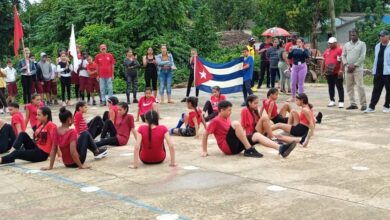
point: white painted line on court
(360, 168)
(33, 171)
(93, 108)
(168, 217)
(191, 168)
(126, 154)
(89, 189)
(275, 188)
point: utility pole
(332, 18)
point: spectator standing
(284, 66)
(299, 55)
(191, 65)
(28, 70)
(166, 66)
(44, 69)
(150, 65)
(12, 89)
(273, 54)
(248, 74)
(105, 63)
(264, 62)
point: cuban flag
(228, 76)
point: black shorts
(280, 119)
(187, 131)
(299, 130)
(235, 145)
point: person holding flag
(248, 74)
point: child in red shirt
(119, 132)
(211, 106)
(146, 103)
(17, 119)
(36, 150)
(231, 137)
(31, 111)
(192, 120)
(93, 83)
(151, 150)
(112, 112)
(271, 108)
(73, 149)
(251, 119)
(94, 127)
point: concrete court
(314, 183)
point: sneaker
(331, 104)
(102, 153)
(135, 101)
(341, 104)
(90, 102)
(286, 149)
(102, 104)
(254, 89)
(252, 152)
(93, 102)
(363, 108)
(1, 111)
(319, 118)
(369, 110)
(351, 107)
(243, 104)
(386, 110)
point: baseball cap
(252, 39)
(332, 40)
(383, 33)
(103, 46)
(43, 54)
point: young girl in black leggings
(38, 148)
(150, 65)
(73, 149)
(64, 69)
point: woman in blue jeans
(165, 66)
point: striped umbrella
(275, 32)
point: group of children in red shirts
(117, 124)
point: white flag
(73, 51)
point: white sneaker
(386, 110)
(341, 104)
(90, 102)
(331, 104)
(6, 110)
(1, 111)
(369, 110)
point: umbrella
(275, 32)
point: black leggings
(210, 112)
(151, 76)
(95, 126)
(189, 84)
(77, 90)
(109, 128)
(264, 70)
(26, 84)
(25, 149)
(65, 84)
(3, 101)
(7, 138)
(84, 143)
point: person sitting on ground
(112, 112)
(38, 148)
(152, 150)
(7, 136)
(119, 132)
(252, 121)
(211, 106)
(146, 103)
(31, 111)
(271, 108)
(300, 124)
(94, 127)
(73, 149)
(192, 120)
(231, 137)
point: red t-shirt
(330, 57)
(155, 152)
(266, 105)
(91, 68)
(32, 110)
(145, 104)
(63, 142)
(79, 122)
(192, 114)
(44, 136)
(248, 120)
(287, 47)
(105, 63)
(114, 108)
(123, 127)
(220, 127)
(18, 118)
(214, 101)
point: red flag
(18, 31)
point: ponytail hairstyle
(218, 89)
(46, 112)
(113, 100)
(64, 114)
(194, 102)
(125, 106)
(78, 106)
(305, 99)
(272, 91)
(250, 99)
(151, 118)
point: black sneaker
(363, 108)
(102, 152)
(184, 100)
(286, 149)
(252, 152)
(135, 101)
(319, 118)
(352, 107)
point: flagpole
(24, 54)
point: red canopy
(275, 32)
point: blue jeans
(165, 82)
(105, 84)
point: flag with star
(228, 76)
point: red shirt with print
(145, 104)
(215, 100)
(105, 61)
(153, 151)
(220, 127)
(44, 136)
